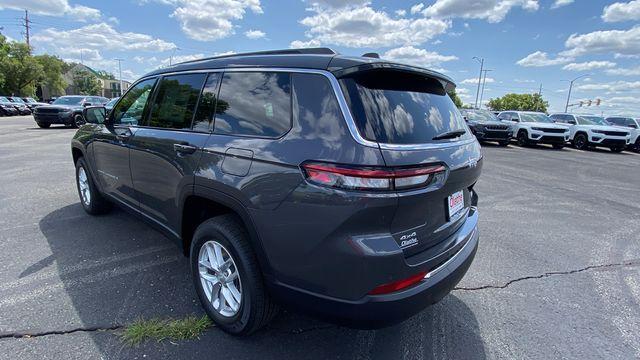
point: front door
(111, 146)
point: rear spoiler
(446, 81)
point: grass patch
(160, 329)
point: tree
(102, 74)
(455, 98)
(521, 102)
(20, 70)
(52, 74)
(86, 83)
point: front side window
(591, 120)
(254, 104)
(395, 107)
(176, 101)
(131, 108)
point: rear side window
(175, 102)
(396, 107)
(254, 104)
(207, 104)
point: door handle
(184, 148)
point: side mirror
(86, 104)
(465, 118)
(94, 114)
(572, 122)
(633, 126)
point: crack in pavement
(34, 333)
(633, 262)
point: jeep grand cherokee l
(342, 186)
(535, 128)
(66, 110)
(591, 130)
(486, 127)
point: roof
(311, 58)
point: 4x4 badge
(408, 240)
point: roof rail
(302, 51)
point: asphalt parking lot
(557, 274)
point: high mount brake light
(365, 178)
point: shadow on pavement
(116, 269)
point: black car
(486, 126)
(66, 110)
(342, 186)
(109, 105)
(7, 108)
(32, 103)
(22, 108)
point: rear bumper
(375, 311)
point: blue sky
(524, 42)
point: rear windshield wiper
(450, 134)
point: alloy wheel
(79, 120)
(580, 142)
(220, 278)
(83, 184)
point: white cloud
(560, 3)
(624, 71)
(524, 81)
(401, 12)
(589, 65)
(418, 57)
(80, 53)
(338, 3)
(113, 20)
(488, 80)
(540, 58)
(491, 10)
(623, 42)
(52, 8)
(255, 34)
(207, 20)
(297, 44)
(621, 11)
(611, 87)
(417, 8)
(101, 36)
(366, 27)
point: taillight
(368, 178)
(398, 285)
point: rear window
(394, 107)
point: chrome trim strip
(453, 257)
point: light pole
(120, 73)
(484, 80)
(481, 61)
(566, 107)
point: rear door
(166, 149)
(410, 115)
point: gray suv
(341, 186)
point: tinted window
(534, 117)
(207, 104)
(176, 100)
(254, 104)
(130, 110)
(400, 108)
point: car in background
(22, 108)
(110, 104)
(32, 103)
(486, 126)
(7, 108)
(535, 128)
(66, 110)
(629, 123)
(591, 130)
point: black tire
(97, 203)
(522, 138)
(580, 142)
(504, 143)
(617, 149)
(78, 121)
(558, 146)
(44, 125)
(636, 146)
(256, 306)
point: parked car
(486, 126)
(66, 110)
(535, 128)
(294, 180)
(33, 103)
(629, 123)
(22, 108)
(7, 108)
(109, 105)
(589, 130)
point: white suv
(631, 125)
(535, 127)
(591, 130)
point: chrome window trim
(342, 102)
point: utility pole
(27, 28)
(481, 61)
(566, 107)
(484, 80)
(120, 73)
